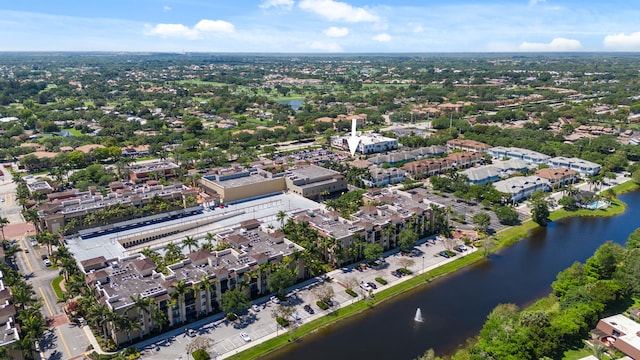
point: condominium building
(192, 287)
(467, 145)
(521, 187)
(381, 223)
(558, 176)
(530, 156)
(584, 167)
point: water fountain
(418, 317)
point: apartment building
(203, 274)
(584, 167)
(521, 187)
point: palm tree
(31, 215)
(142, 306)
(189, 242)
(281, 216)
(3, 223)
(180, 289)
(173, 253)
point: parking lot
(260, 325)
(464, 210)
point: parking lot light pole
(422, 263)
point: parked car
(47, 263)
(245, 336)
(373, 285)
(255, 308)
(444, 254)
(461, 248)
(190, 332)
(365, 287)
(396, 273)
(296, 317)
(329, 302)
(275, 300)
(309, 309)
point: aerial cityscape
(319, 179)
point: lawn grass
(75, 132)
(55, 284)
(577, 353)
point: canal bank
(455, 306)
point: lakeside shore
(503, 238)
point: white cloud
(338, 11)
(203, 27)
(623, 41)
(166, 8)
(337, 31)
(285, 4)
(219, 26)
(384, 37)
(557, 44)
(328, 47)
(536, 2)
(173, 31)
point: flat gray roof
(263, 209)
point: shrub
(232, 317)
(405, 271)
(351, 292)
(322, 305)
(200, 354)
(381, 281)
(282, 322)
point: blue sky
(320, 25)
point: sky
(320, 26)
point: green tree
(482, 221)
(372, 251)
(407, 239)
(234, 301)
(507, 215)
(633, 241)
(3, 222)
(280, 279)
(540, 211)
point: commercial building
(39, 187)
(369, 143)
(141, 173)
(76, 206)
(521, 187)
(314, 181)
(243, 184)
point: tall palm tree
(173, 253)
(3, 222)
(189, 242)
(31, 215)
(180, 289)
(281, 216)
(142, 305)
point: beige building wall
(265, 187)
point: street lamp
(423, 264)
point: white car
(365, 287)
(275, 300)
(296, 316)
(245, 336)
(255, 308)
